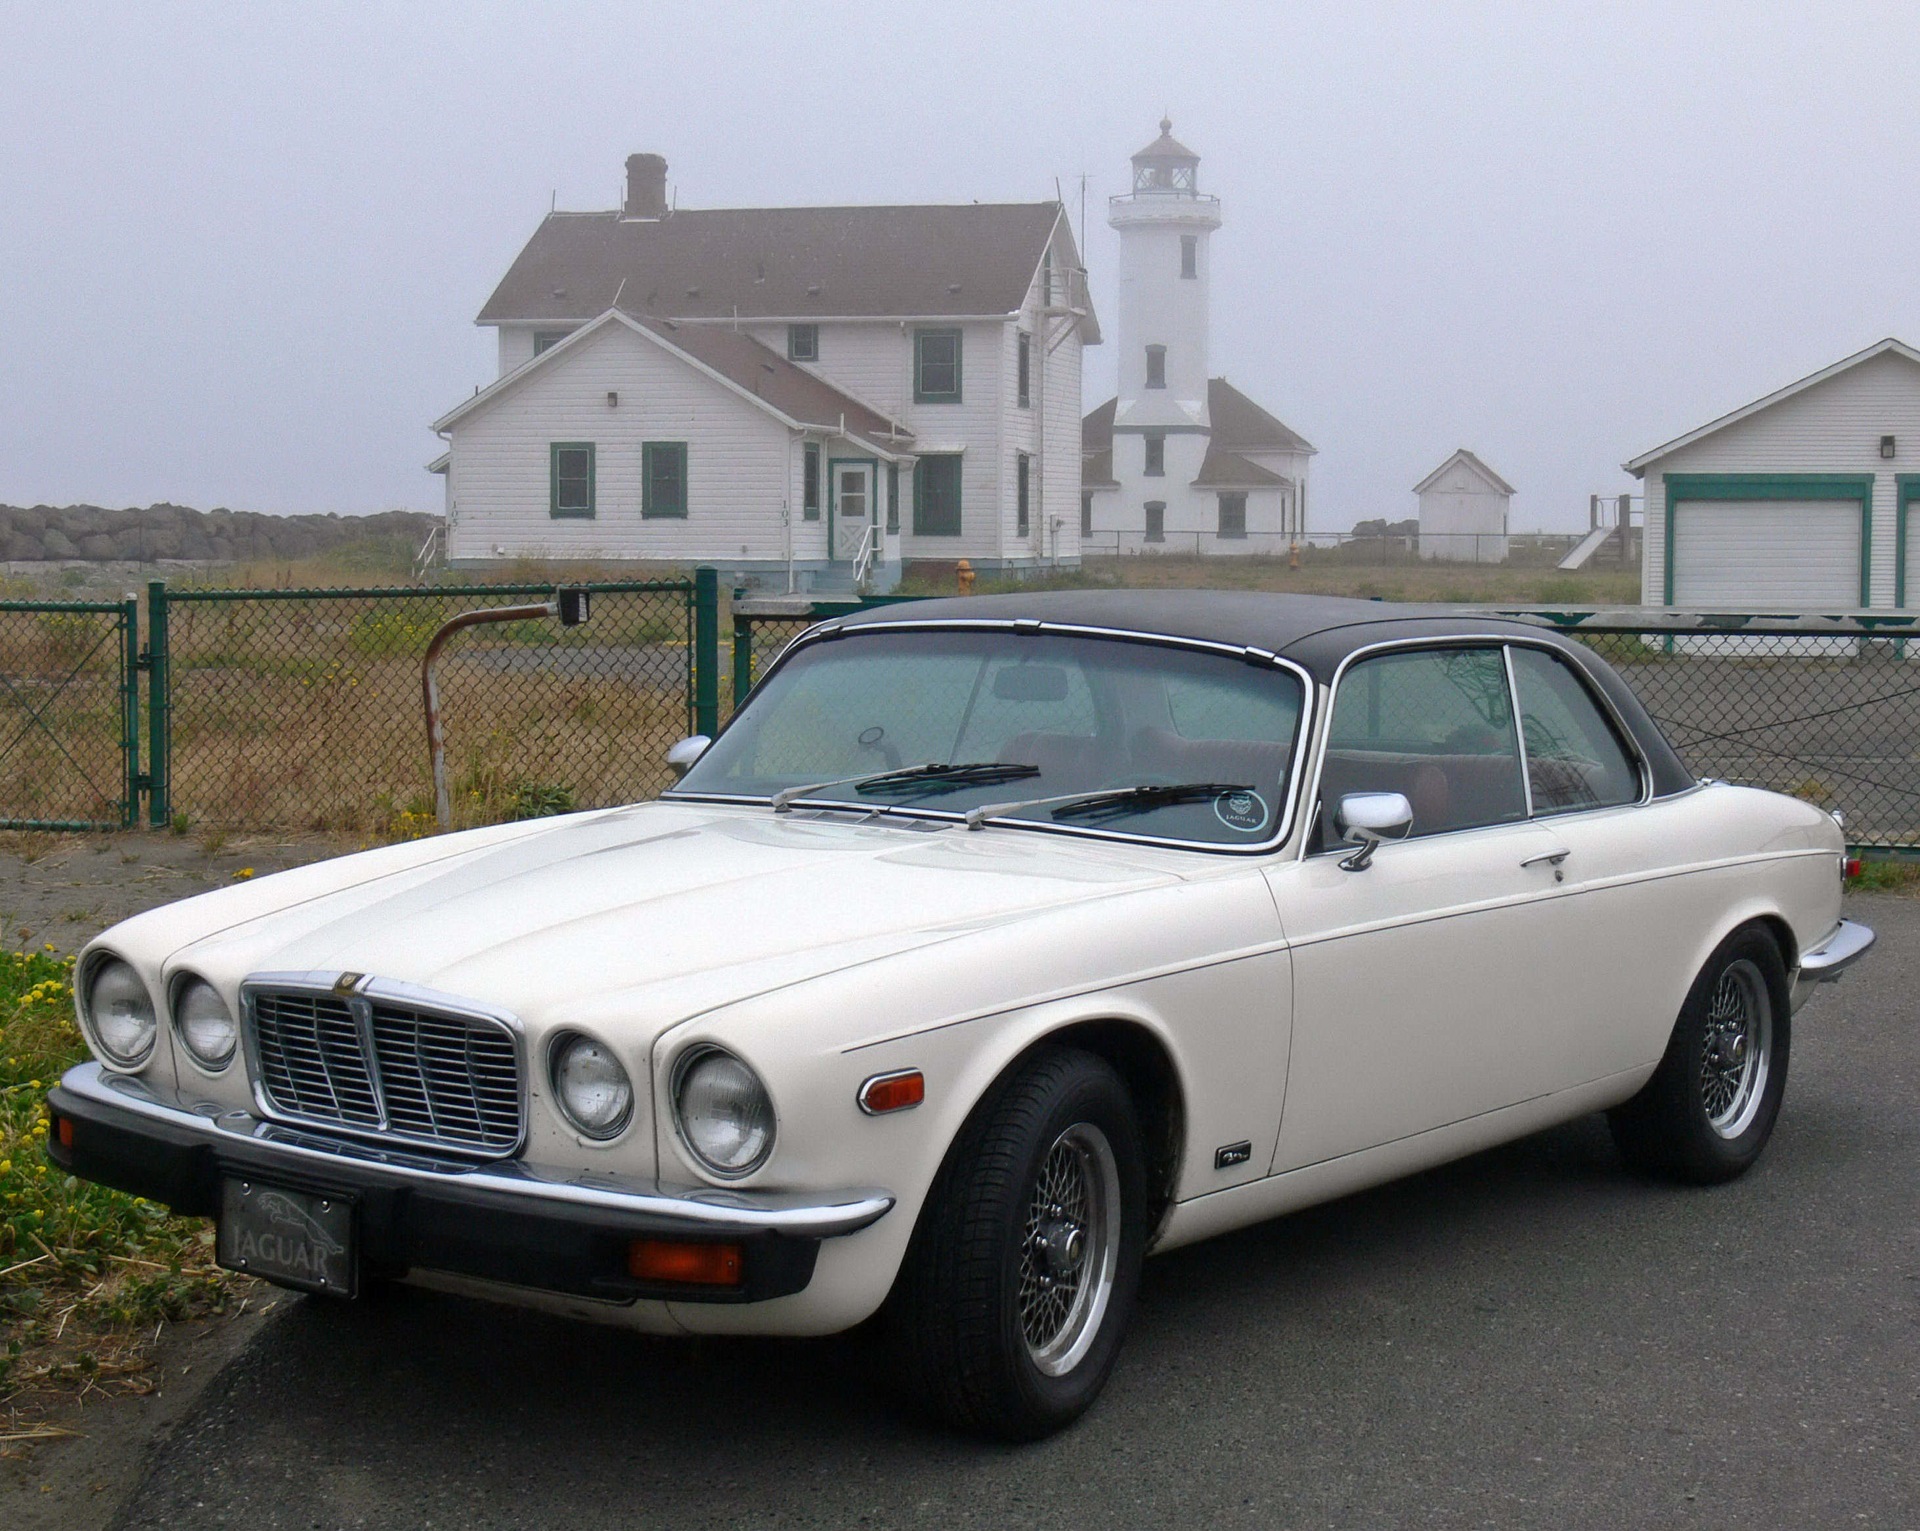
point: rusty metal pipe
(430, 690)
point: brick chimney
(646, 186)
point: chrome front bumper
(501, 1220)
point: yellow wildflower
(244, 873)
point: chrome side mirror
(1364, 819)
(680, 757)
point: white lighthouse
(1180, 461)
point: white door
(1739, 555)
(852, 508)
(1426, 986)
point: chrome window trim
(360, 987)
(1476, 640)
(1247, 653)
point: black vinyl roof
(1316, 632)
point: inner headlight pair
(124, 1023)
(722, 1111)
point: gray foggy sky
(241, 246)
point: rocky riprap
(50, 533)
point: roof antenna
(553, 201)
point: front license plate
(293, 1237)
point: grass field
(86, 1274)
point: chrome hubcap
(1069, 1249)
(1734, 1062)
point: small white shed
(1463, 511)
(1799, 501)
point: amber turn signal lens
(892, 1092)
(684, 1264)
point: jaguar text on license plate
(294, 1237)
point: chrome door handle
(1552, 858)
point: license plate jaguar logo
(286, 1236)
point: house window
(1023, 478)
(803, 342)
(810, 481)
(570, 479)
(1026, 370)
(663, 479)
(1190, 255)
(1156, 366)
(1046, 279)
(546, 340)
(1156, 520)
(936, 495)
(1233, 515)
(1086, 512)
(1156, 463)
(936, 366)
(893, 498)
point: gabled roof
(1638, 466)
(1096, 448)
(1240, 425)
(1462, 455)
(758, 373)
(973, 260)
(1221, 469)
(1237, 425)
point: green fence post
(742, 659)
(159, 709)
(130, 709)
(706, 651)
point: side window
(1435, 725)
(1574, 759)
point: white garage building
(1798, 502)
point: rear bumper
(1824, 963)
(500, 1221)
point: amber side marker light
(684, 1264)
(892, 1092)
(63, 1129)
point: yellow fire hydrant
(1293, 555)
(963, 577)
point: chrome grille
(389, 1066)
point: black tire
(982, 1281)
(1710, 1107)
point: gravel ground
(68, 888)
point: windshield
(865, 718)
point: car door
(1425, 983)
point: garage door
(1738, 555)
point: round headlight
(592, 1088)
(204, 1025)
(120, 1012)
(724, 1112)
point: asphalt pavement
(1530, 1337)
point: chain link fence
(302, 709)
(68, 717)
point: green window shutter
(936, 495)
(936, 366)
(810, 482)
(1026, 370)
(893, 497)
(1023, 473)
(570, 480)
(663, 479)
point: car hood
(663, 908)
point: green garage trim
(1775, 486)
(1908, 492)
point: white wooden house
(1181, 461)
(775, 390)
(1800, 501)
(1464, 510)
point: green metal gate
(69, 714)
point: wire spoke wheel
(1734, 1059)
(1069, 1248)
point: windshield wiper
(933, 777)
(1109, 802)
